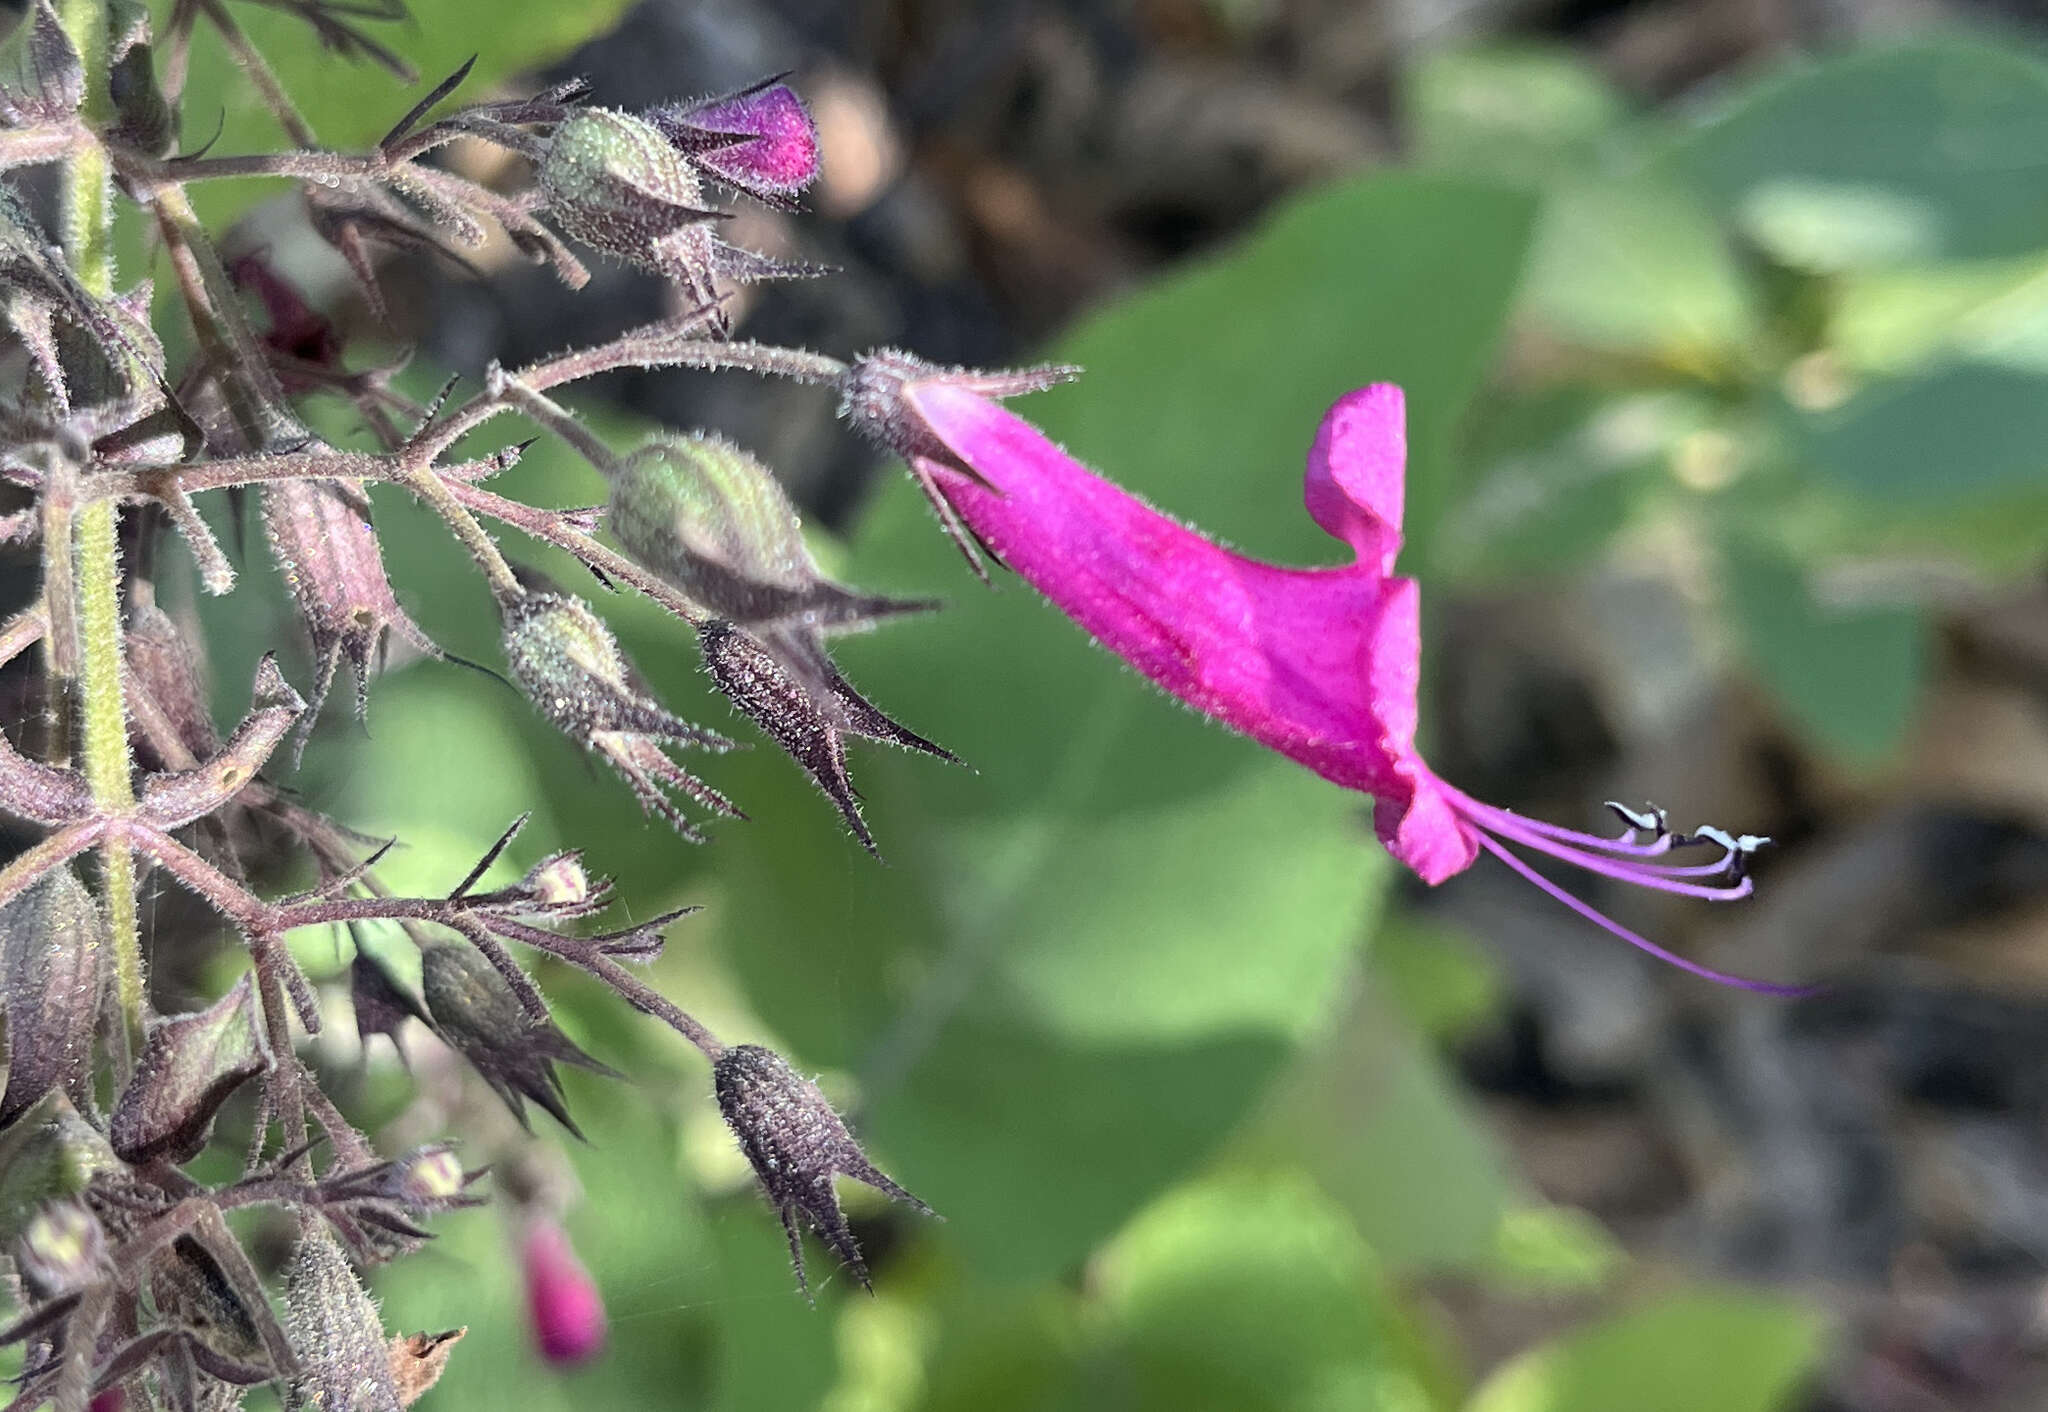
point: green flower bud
(716, 523)
(615, 183)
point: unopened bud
(796, 1145)
(563, 1304)
(760, 140)
(432, 1176)
(476, 1012)
(49, 1153)
(615, 183)
(569, 664)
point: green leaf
(1377, 1119)
(1991, 311)
(1850, 677)
(1958, 432)
(1701, 1352)
(1949, 131)
(1239, 1294)
(1519, 113)
(1641, 266)
(351, 104)
(1554, 1250)
(1082, 963)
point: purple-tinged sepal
(796, 1143)
(760, 140)
(189, 1065)
(175, 798)
(381, 1003)
(41, 78)
(569, 665)
(786, 685)
(872, 400)
(55, 954)
(327, 550)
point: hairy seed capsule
(570, 666)
(796, 1145)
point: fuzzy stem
(95, 569)
(428, 486)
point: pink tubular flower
(1321, 665)
(562, 1301)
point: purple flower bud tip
(562, 1301)
(113, 1399)
(1319, 664)
(760, 140)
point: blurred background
(1724, 329)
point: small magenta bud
(760, 140)
(563, 1303)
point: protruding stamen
(1641, 943)
(1660, 877)
(1649, 819)
(1738, 848)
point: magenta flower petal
(563, 1304)
(1321, 665)
(1358, 473)
(760, 140)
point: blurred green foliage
(1106, 1006)
(1801, 326)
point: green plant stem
(94, 570)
